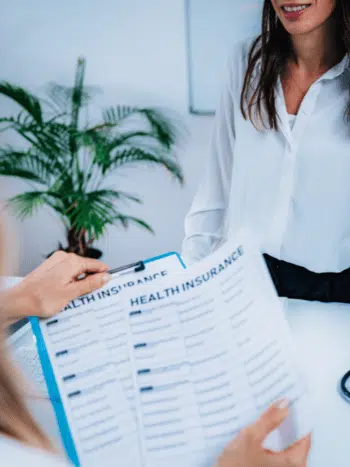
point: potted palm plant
(67, 161)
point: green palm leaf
(57, 136)
(61, 96)
(9, 171)
(23, 122)
(93, 211)
(92, 214)
(134, 155)
(68, 161)
(97, 142)
(78, 93)
(23, 98)
(26, 204)
(165, 131)
(113, 196)
(127, 220)
(31, 162)
(116, 115)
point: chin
(299, 30)
(300, 27)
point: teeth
(289, 9)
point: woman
(280, 156)
(44, 292)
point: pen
(136, 267)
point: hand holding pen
(50, 287)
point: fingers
(83, 265)
(56, 258)
(299, 451)
(89, 284)
(271, 419)
(77, 264)
(52, 261)
(306, 441)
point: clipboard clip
(133, 267)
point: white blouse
(291, 187)
(291, 119)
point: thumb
(89, 284)
(271, 419)
(299, 451)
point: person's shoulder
(240, 51)
(14, 453)
(237, 61)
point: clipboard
(52, 387)
(140, 266)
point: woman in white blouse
(280, 155)
(44, 292)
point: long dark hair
(272, 48)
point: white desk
(322, 334)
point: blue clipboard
(50, 379)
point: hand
(247, 449)
(51, 286)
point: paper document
(176, 365)
(87, 345)
(211, 352)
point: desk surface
(322, 335)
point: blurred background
(138, 53)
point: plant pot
(93, 253)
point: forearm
(204, 229)
(199, 246)
(15, 305)
(296, 282)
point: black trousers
(293, 281)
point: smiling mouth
(296, 8)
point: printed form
(88, 348)
(211, 352)
(169, 369)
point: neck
(317, 51)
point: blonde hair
(15, 418)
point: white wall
(136, 52)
